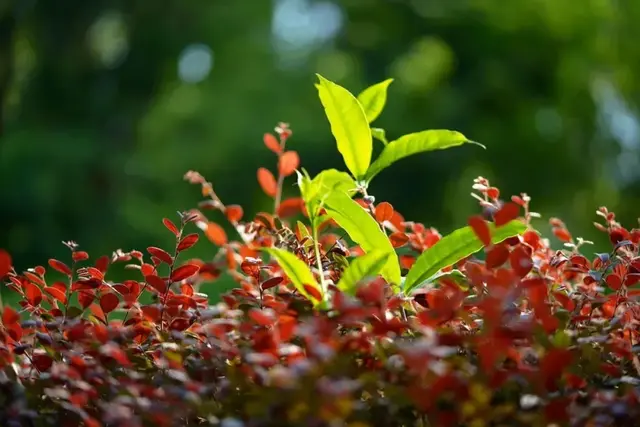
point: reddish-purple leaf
(270, 283)
(109, 302)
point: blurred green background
(105, 105)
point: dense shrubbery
(396, 326)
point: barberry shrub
(345, 313)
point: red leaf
(614, 281)
(481, 229)
(42, 361)
(496, 256)
(398, 239)
(97, 311)
(187, 242)
(184, 272)
(270, 283)
(384, 212)
(234, 213)
(85, 298)
(508, 212)
(151, 312)
(170, 226)
(251, 266)
(56, 293)
(156, 283)
(272, 143)
(288, 163)
(562, 234)
(102, 263)
(10, 316)
(267, 182)
(313, 291)
(32, 293)
(60, 267)
(216, 234)
(161, 254)
(80, 256)
(109, 302)
(520, 261)
(290, 207)
(260, 317)
(5, 263)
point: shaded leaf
(156, 283)
(374, 98)
(452, 248)
(349, 126)
(414, 143)
(109, 302)
(5, 263)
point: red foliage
(528, 336)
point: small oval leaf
(349, 126)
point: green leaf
(296, 270)
(380, 135)
(364, 231)
(349, 126)
(452, 248)
(374, 98)
(313, 191)
(413, 143)
(368, 265)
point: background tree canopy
(105, 105)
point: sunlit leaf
(349, 126)
(413, 143)
(363, 230)
(368, 265)
(296, 270)
(452, 248)
(374, 98)
(315, 190)
(380, 135)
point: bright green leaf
(296, 270)
(364, 231)
(413, 143)
(374, 98)
(380, 135)
(349, 126)
(452, 248)
(314, 190)
(368, 265)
